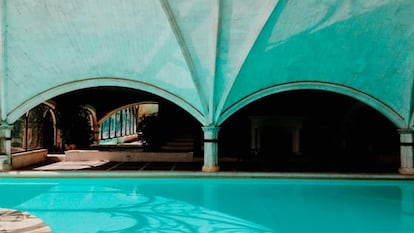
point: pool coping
(185, 174)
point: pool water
(85, 205)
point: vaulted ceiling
(209, 56)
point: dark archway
(311, 130)
(173, 125)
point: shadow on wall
(341, 47)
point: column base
(210, 168)
(406, 171)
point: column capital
(406, 136)
(406, 131)
(5, 146)
(406, 151)
(211, 131)
(5, 125)
(5, 129)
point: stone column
(5, 146)
(296, 140)
(210, 149)
(406, 151)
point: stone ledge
(27, 158)
(127, 156)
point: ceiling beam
(186, 53)
(277, 7)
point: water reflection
(105, 209)
(407, 206)
(220, 205)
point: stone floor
(225, 164)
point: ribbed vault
(208, 55)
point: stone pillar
(5, 146)
(406, 151)
(296, 140)
(210, 149)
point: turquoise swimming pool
(85, 205)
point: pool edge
(162, 174)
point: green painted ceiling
(210, 57)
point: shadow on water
(215, 205)
(125, 208)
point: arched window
(125, 122)
(35, 129)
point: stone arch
(92, 110)
(100, 81)
(94, 121)
(36, 128)
(50, 129)
(123, 107)
(133, 127)
(365, 98)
